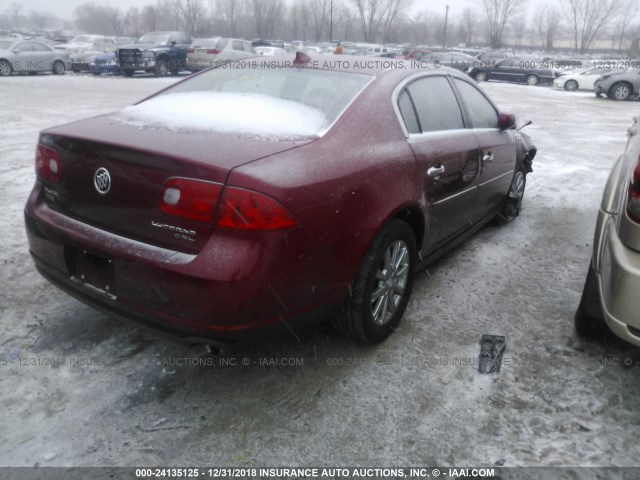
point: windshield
(154, 38)
(282, 100)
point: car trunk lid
(139, 162)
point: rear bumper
(234, 289)
(619, 285)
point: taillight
(48, 166)
(247, 210)
(214, 51)
(633, 205)
(187, 198)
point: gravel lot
(78, 388)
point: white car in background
(207, 52)
(271, 51)
(582, 79)
(82, 43)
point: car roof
(358, 64)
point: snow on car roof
(243, 113)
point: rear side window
(39, 47)
(436, 104)
(481, 112)
(405, 105)
(24, 47)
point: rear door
(497, 149)
(446, 152)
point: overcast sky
(64, 8)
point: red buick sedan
(256, 197)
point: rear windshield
(205, 42)
(327, 91)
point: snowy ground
(126, 397)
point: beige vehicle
(611, 295)
(211, 51)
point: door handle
(487, 157)
(435, 171)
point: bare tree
(133, 21)
(229, 12)
(318, 12)
(150, 19)
(546, 20)
(114, 18)
(519, 25)
(626, 15)
(587, 18)
(39, 20)
(345, 19)
(266, 13)
(468, 25)
(375, 14)
(498, 12)
(13, 11)
(634, 49)
(394, 9)
(193, 15)
(89, 18)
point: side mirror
(506, 120)
(172, 43)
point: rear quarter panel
(345, 186)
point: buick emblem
(102, 180)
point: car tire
(161, 69)
(513, 203)
(571, 85)
(620, 91)
(589, 319)
(58, 67)
(481, 76)
(127, 72)
(381, 290)
(533, 80)
(5, 68)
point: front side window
(481, 112)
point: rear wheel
(589, 319)
(5, 68)
(481, 76)
(381, 291)
(513, 203)
(58, 67)
(127, 72)
(620, 91)
(571, 85)
(533, 80)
